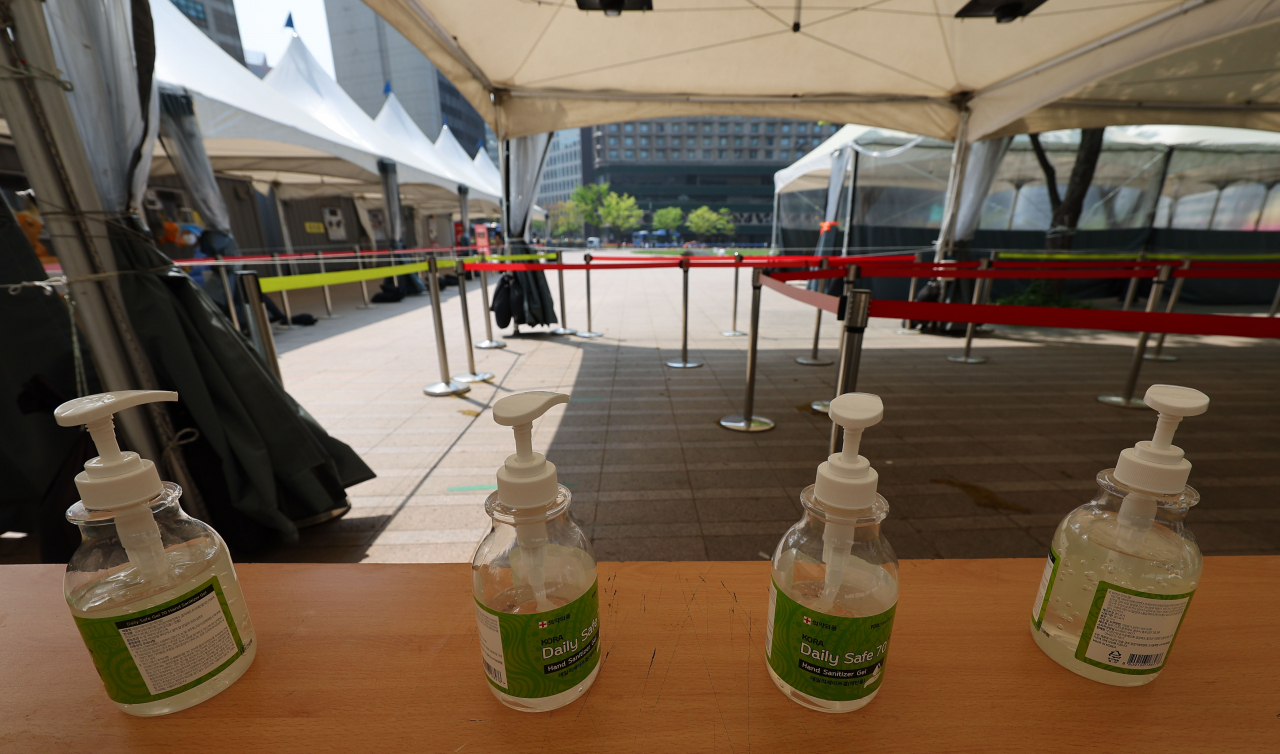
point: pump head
(1157, 465)
(115, 479)
(847, 480)
(527, 479)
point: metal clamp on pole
(1126, 399)
(488, 341)
(231, 296)
(284, 295)
(446, 386)
(748, 421)
(683, 362)
(812, 360)
(328, 299)
(734, 332)
(471, 374)
(564, 328)
(980, 285)
(259, 322)
(364, 288)
(590, 333)
(855, 308)
(1173, 300)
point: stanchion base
(735, 422)
(821, 406)
(368, 306)
(733, 334)
(441, 389)
(1159, 357)
(491, 344)
(468, 377)
(590, 334)
(907, 332)
(684, 364)
(967, 359)
(564, 331)
(806, 361)
(1119, 402)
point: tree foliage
(620, 212)
(668, 219)
(705, 221)
(566, 218)
(589, 199)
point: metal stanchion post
(979, 286)
(747, 421)
(906, 328)
(734, 332)
(488, 341)
(1126, 399)
(364, 289)
(259, 322)
(684, 362)
(471, 375)
(231, 296)
(1132, 292)
(857, 307)
(812, 360)
(328, 299)
(284, 295)
(590, 333)
(563, 329)
(1275, 303)
(446, 386)
(1173, 300)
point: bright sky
(262, 28)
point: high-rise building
(217, 19)
(368, 54)
(562, 171)
(690, 162)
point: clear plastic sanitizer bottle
(835, 579)
(152, 590)
(534, 577)
(1123, 567)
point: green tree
(668, 219)
(620, 212)
(705, 221)
(566, 218)
(589, 198)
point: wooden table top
(371, 658)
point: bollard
(590, 333)
(684, 362)
(1173, 300)
(734, 332)
(259, 322)
(906, 328)
(471, 375)
(446, 386)
(1133, 288)
(980, 284)
(563, 329)
(364, 289)
(488, 341)
(812, 360)
(1126, 399)
(856, 306)
(284, 295)
(328, 300)
(740, 422)
(231, 297)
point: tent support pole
(955, 179)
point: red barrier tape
(535, 267)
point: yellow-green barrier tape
(317, 279)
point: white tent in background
(813, 170)
(396, 122)
(487, 168)
(458, 159)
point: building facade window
(755, 153)
(706, 154)
(802, 128)
(661, 154)
(723, 153)
(644, 154)
(644, 141)
(644, 128)
(660, 141)
(768, 141)
(628, 128)
(193, 10)
(675, 141)
(768, 128)
(658, 128)
(785, 142)
(724, 128)
(629, 155)
(755, 141)
(629, 141)
(613, 141)
(737, 154)
(724, 141)
(613, 154)
(768, 154)
(737, 128)
(613, 128)
(737, 141)
(783, 155)
(693, 155)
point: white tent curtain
(525, 157)
(184, 145)
(836, 182)
(984, 162)
(114, 103)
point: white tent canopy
(461, 163)
(904, 64)
(487, 169)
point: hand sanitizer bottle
(151, 589)
(1123, 567)
(835, 579)
(534, 577)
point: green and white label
(1046, 588)
(1130, 632)
(165, 650)
(824, 656)
(541, 654)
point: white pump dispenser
(119, 481)
(527, 481)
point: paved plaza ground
(976, 461)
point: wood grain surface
(373, 658)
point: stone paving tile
(654, 478)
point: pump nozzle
(1157, 465)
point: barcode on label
(1143, 661)
(494, 673)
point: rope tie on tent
(25, 70)
(181, 437)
